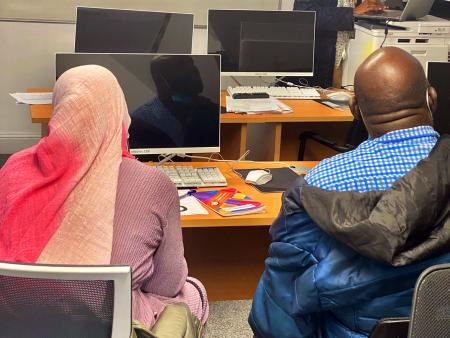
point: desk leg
(44, 129)
(233, 140)
(277, 141)
(243, 142)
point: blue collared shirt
(375, 164)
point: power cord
(236, 80)
(303, 83)
(386, 31)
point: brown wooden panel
(336, 131)
(228, 261)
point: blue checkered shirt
(374, 164)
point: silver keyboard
(292, 93)
(184, 176)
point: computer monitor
(173, 100)
(106, 30)
(438, 74)
(263, 43)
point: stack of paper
(256, 106)
(33, 98)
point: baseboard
(11, 142)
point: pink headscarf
(57, 198)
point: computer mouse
(258, 177)
(339, 96)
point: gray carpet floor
(228, 319)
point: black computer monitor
(105, 30)
(438, 74)
(173, 100)
(263, 43)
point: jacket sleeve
(329, 17)
(286, 302)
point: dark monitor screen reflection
(103, 30)
(263, 42)
(173, 100)
(438, 77)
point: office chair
(56, 301)
(356, 135)
(430, 313)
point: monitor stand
(167, 158)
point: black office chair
(430, 313)
(356, 135)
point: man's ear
(354, 108)
(432, 98)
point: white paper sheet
(189, 205)
(33, 98)
(256, 106)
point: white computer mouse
(258, 177)
(339, 96)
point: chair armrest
(324, 141)
(391, 327)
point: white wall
(27, 60)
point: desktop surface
(272, 201)
(105, 30)
(254, 42)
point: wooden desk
(271, 200)
(227, 253)
(234, 126)
(303, 111)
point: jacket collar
(406, 223)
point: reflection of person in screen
(179, 116)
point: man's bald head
(391, 92)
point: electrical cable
(386, 31)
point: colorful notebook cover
(229, 202)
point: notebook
(229, 202)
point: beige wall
(65, 9)
(29, 39)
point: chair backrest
(430, 314)
(54, 301)
(357, 133)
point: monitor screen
(173, 100)
(438, 74)
(102, 30)
(263, 43)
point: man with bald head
(395, 102)
(354, 234)
(392, 90)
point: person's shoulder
(331, 166)
(145, 177)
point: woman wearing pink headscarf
(79, 197)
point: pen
(188, 193)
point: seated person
(334, 28)
(79, 197)
(355, 233)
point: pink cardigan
(147, 236)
